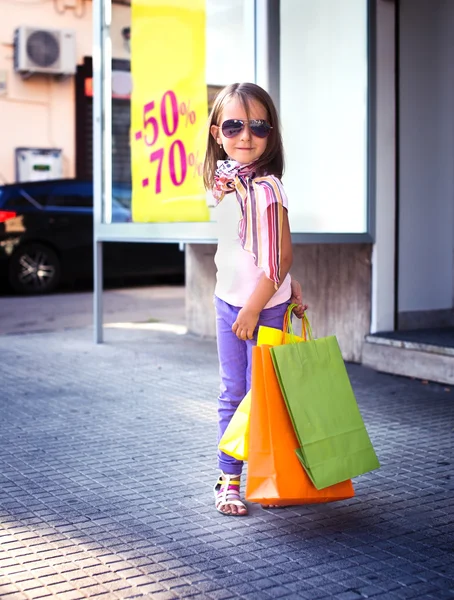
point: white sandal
(227, 491)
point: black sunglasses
(258, 127)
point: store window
(317, 70)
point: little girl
(243, 169)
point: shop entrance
(425, 223)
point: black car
(46, 238)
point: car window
(70, 200)
(26, 196)
(20, 198)
(17, 201)
(64, 193)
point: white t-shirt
(237, 275)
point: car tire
(34, 269)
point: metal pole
(98, 57)
(97, 292)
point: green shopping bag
(335, 445)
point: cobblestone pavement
(107, 458)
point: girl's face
(243, 147)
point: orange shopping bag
(275, 475)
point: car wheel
(34, 269)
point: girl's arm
(248, 316)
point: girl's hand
(245, 324)
(297, 298)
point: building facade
(45, 110)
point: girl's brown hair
(272, 160)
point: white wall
(426, 191)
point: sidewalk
(107, 458)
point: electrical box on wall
(38, 164)
(51, 51)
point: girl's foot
(227, 496)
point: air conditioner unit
(51, 51)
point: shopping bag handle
(306, 329)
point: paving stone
(348, 595)
(332, 589)
(220, 595)
(7, 588)
(255, 595)
(61, 588)
(71, 595)
(93, 589)
(108, 577)
(164, 596)
(39, 592)
(302, 587)
(127, 593)
(15, 596)
(265, 583)
(444, 594)
(369, 591)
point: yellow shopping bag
(268, 336)
(235, 441)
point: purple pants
(235, 357)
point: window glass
(17, 201)
(229, 41)
(121, 194)
(323, 107)
(229, 58)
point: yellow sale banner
(168, 110)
